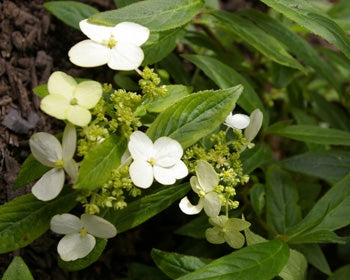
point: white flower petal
(212, 204)
(256, 118)
(188, 208)
(237, 121)
(196, 187)
(234, 238)
(96, 32)
(71, 167)
(125, 57)
(218, 221)
(140, 146)
(164, 175)
(237, 224)
(61, 84)
(130, 32)
(88, 93)
(55, 105)
(65, 223)
(49, 185)
(98, 226)
(180, 170)
(78, 115)
(45, 148)
(215, 235)
(88, 53)
(167, 151)
(69, 142)
(207, 177)
(73, 246)
(141, 173)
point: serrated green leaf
(30, 170)
(225, 76)
(82, 263)
(41, 90)
(157, 15)
(176, 265)
(70, 12)
(195, 228)
(331, 165)
(98, 164)
(25, 218)
(123, 3)
(174, 66)
(304, 14)
(263, 259)
(294, 44)
(165, 44)
(313, 134)
(295, 268)
(258, 197)
(195, 116)
(258, 39)
(144, 208)
(124, 81)
(282, 209)
(174, 94)
(17, 270)
(255, 157)
(329, 213)
(314, 256)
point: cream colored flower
(68, 100)
(118, 46)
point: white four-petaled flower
(68, 100)
(226, 230)
(118, 46)
(160, 160)
(203, 184)
(48, 151)
(79, 238)
(237, 121)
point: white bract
(226, 230)
(118, 46)
(79, 238)
(237, 121)
(203, 184)
(161, 160)
(68, 100)
(48, 151)
(256, 118)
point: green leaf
(255, 157)
(174, 94)
(313, 134)
(166, 42)
(174, 66)
(263, 259)
(70, 12)
(225, 76)
(257, 198)
(98, 164)
(123, 3)
(341, 273)
(257, 38)
(157, 15)
(25, 218)
(86, 261)
(41, 90)
(294, 44)
(304, 14)
(195, 116)
(176, 265)
(17, 270)
(124, 81)
(331, 212)
(331, 165)
(195, 228)
(295, 268)
(31, 170)
(137, 271)
(144, 208)
(282, 209)
(314, 256)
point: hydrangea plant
(205, 139)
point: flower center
(151, 161)
(59, 163)
(74, 101)
(83, 232)
(111, 42)
(201, 194)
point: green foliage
(17, 270)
